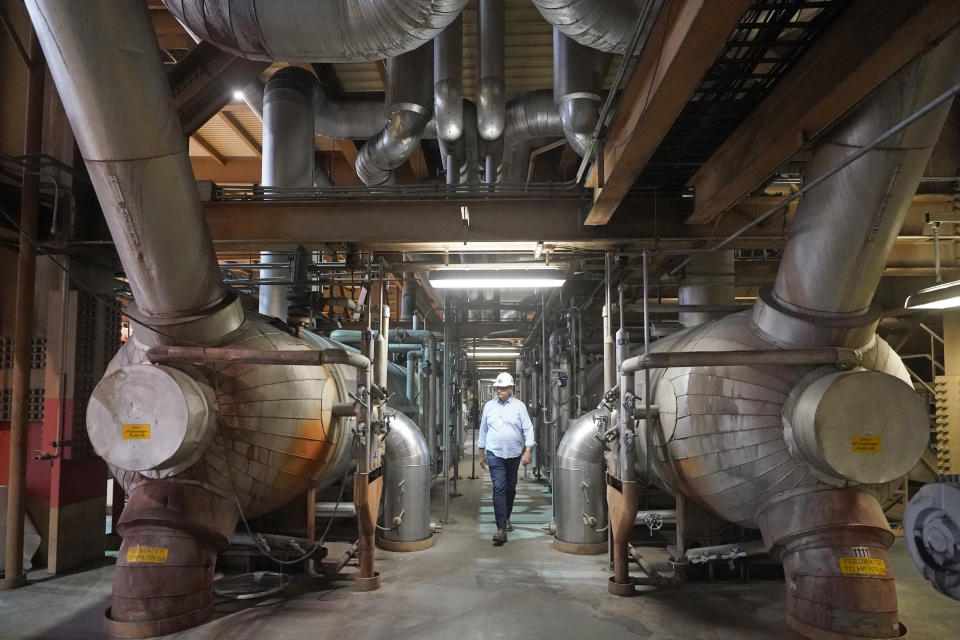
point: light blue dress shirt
(505, 428)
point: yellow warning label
(156, 555)
(862, 566)
(866, 444)
(136, 432)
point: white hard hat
(503, 380)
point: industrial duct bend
(606, 25)
(309, 31)
(844, 228)
(491, 88)
(409, 103)
(138, 165)
(579, 486)
(448, 82)
(577, 82)
(530, 116)
(406, 488)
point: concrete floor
(464, 588)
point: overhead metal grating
(770, 38)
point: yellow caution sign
(156, 555)
(136, 432)
(866, 444)
(862, 566)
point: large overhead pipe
(409, 104)
(606, 25)
(309, 31)
(577, 82)
(708, 280)
(288, 160)
(461, 157)
(491, 90)
(98, 52)
(530, 116)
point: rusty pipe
(842, 357)
(229, 355)
(23, 326)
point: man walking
(505, 442)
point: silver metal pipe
(382, 357)
(606, 25)
(445, 408)
(448, 82)
(707, 280)
(309, 31)
(530, 116)
(580, 504)
(843, 231)
(409, 104)
(577, 82)
(99, 52)
(842, 357)
(287, 161)
(609, 351)
(406, 482)
(334, 510)
(491, 88)
(413, 386)
(460, 157)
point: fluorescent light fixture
(490, 368)
(492, 278)
(493, 355)
(941, 296)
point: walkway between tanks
(464, 589)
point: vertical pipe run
(448, 83)
(609, 353)
(491, 101)
(288, 161)
(445, 411)
(382, 356)
(23, 327)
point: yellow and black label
(866, 444)
(156, 555)
(136, 432)
(862, 566)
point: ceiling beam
(209, 148)
(867, 44)
(685, 41)
(231, 121)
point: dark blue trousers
(503, 473)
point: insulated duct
(288, 160)
(606, 25)
(530, 116)
(98, 52)
(578, 476)
(310, 31)
(461, 157)
(406, 488)
(577, 82)
(708, 279)
(800, 451)
(491, 88)
(448, 82)
(409, 103)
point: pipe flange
(403, 547)
(151, 628)
(931, 525)
(367, 584)
(625, 590)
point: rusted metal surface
(229, 355)
(833, 546)
(366, 497)
(23, 325)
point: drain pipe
(307, 31)
(406, 488)
(288, 160)
(409, 104)
(577, 82)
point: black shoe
(509, 526)
(499, 538)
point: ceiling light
(238, 95)
(941, 296)
(539, 278)
(493, 355)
